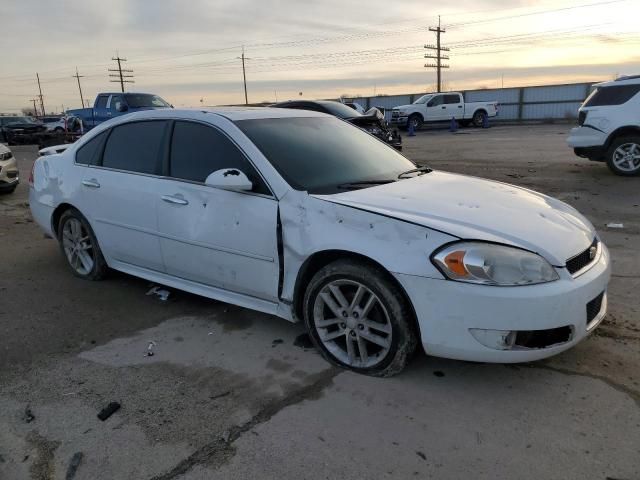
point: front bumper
(400, 120)
(583, 137)
(447, 311)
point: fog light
(495, 339)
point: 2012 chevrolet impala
(303, 216)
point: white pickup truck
(442, 107)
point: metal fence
(520, 104)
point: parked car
(356, 106)
(111, 105)
(20, 129)
(54, 124)
(609, 126)
(372, 121)
(9, 174)
(442, 107)
(303, 216)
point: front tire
(623, 156)
(414, 120)
(80, 246)
(359, 320)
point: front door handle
(443, 107)
(93, 183)
(176, 200)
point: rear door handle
(459, 106)
(93, 183)
(176, 200)
(443, 107)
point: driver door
(436, 109)
(220, 238)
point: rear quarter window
(89, 153)
(613, 95)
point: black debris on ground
(109, 410)
(421, 455)
(28, 415)
(277, 341)
(438, 373)
(76, 459)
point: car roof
(231, 113)
(624, 80)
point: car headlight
(491, 264)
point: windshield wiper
(363, 184)
(420, 170)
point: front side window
(135, 147)
(613, 95)
(198, 150)
(89, 153)
(140, 100)
(436, 101)
(102, 101)
(324, 154)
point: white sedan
(304, 216)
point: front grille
(594, 307)
(395, 113)
(583, 259)
(582, 116)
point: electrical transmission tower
(438, 57)
(122, 73)
(77, 76)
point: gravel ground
(231, 393)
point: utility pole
(244, 76)
(35, 109)
(122, 77)
(438, 57)
(77, 76)
(40, 89)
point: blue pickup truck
(110, 105)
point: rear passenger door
(454, 106)
(119, 194)
(221, 238)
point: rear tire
(623, 156)
(478, 118)
(80, 246)
(359, 319)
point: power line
(123, 77)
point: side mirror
(122, 107)
(229, 179)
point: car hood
(477, 209)
(402, 107)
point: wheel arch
(419, 114)
(626, 130)
(480, 110)
(57, 213)
(319, 259)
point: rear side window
(102, 101)
(614, 95)
(89, 153)
(449, 99)
(135, 147)
(198, 150)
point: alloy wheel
(352, 323)
(627, 157)
(78, 247)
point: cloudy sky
(187, 51)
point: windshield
(322, 155)
(423, 99)
(137, 100)
(340, 109)
(10, 120)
